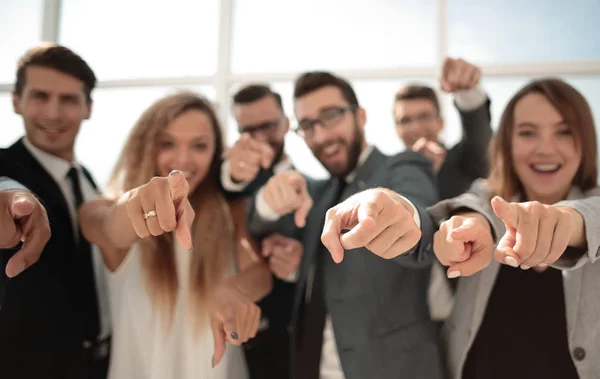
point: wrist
(577, 238)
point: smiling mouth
(546, 168)
(52, 129)
(331, 150)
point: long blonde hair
(212, 230)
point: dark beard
(354, 148)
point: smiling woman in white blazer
(540, 317)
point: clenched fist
(458, 74)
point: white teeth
(331, 149)
(546, 167)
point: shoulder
(592, 192)
(408, 157)
(480, 188)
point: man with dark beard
(253, 159)
(367, 316)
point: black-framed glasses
(262, 128)
(328, 118)
(421, 118)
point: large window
(11, 125)
(20, 27)
(142, 50)
(290, 36)
(131, 39)
(515, 31)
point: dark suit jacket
(467, 160)
(378, 307)
(268, 355)
(41, 333)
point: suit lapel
(371, 166)
(487, 278)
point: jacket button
(579, 353)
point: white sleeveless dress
(141, 348)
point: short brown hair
(314, 80)
(574, 109)
(59, 58)
(255, 92)
(418, 92)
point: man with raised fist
(362, 315)
(419, 122)
(418, 119)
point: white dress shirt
(58, 169)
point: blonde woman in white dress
(176, 304)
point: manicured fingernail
(453, 274)
(174, 172)
(20, 269)
(511, 261)
(524, 267)
(543, 265)
(234, 336)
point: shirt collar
(55, 166)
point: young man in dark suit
(54, 321)
(366, 317)
(254, 159)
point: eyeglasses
(263, 128)
(328, 118)
(420, 118)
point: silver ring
(149, 214)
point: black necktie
(310, 341)
(87, 301)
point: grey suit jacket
(581, 281)
(378, 307)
